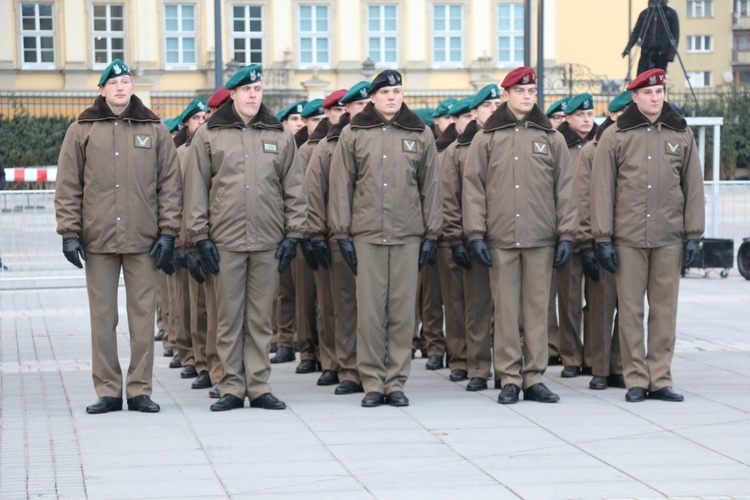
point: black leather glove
(348, 253)
(180, 257)
(461, 255)
(286, 251)
(322, 252)
(589, 263)
(607, 256)
(163, 249)
(563, 254)
(193, 264)
(691, 253)
(427, 253)
(308, 254)
(209, 256)
(72, 248)
(481, 253)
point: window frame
(694, 5)
(447, 35)
(693, 48)
(248, 36)
(702, 85)
(737, 8)
(181, 36)
(382, 34)
(37, 34)
(315, 35)
(510, 34)
(108, 33)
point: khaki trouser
(102, 278)
(244, 295)
(603, 338)
(521, 273)
(161, 303)
(452, 293)
(479, 321)
(553, 333)
(344, 296)
(198, 323)
(166, 319)
(431, 311)
(654, 273)
(570, 307)
(215, 368)
(386, 294)
(305, 316)
(325, 315)
(285, 309)
(179, 311)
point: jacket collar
(320, 130)
(181, 137)
(301, 136)
(633, 118)
(335, 131)
(227, 117)
(446, 138)
(502, 118)
(468, 134)
(572, 138)
(136, 112)
(604, 126)
(405, 119)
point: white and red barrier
(31, 174)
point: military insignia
(540, 148)
(143, 141)
(409, 146)
(652, 80)
(493, 92)
(585, 104)
(270, 147)
(116, 68)
(201, 106)
(392, 79)
(253, 76)
(563, 105)
(299, 108)
(671, 149)
(525, 80)
(363, 92)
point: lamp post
(218, 50)
(368, 67)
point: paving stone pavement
(448, 444)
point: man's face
(521, 99)
(442, 122)
(293, 122)
(556, 119)
(334, 113)
(649, 101)
(581, 121)
(388, 100)
(616, 114)
(118, 91)
(312, 122)
(355, 107)
(196, 121)
(247, 100)
(482, 112)
(462, 121)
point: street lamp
(368, 67)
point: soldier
(342, 285)
(291, 116)
(603, 340)
(240, 206)
(556, 112)
(521, 218)
(385, 195)
(646, 197)
(118, 195)
(578, 129)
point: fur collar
(226, 117)
(633, 118)
(181, 137)
(435, 131)
(136, 112)
(321, 130)
(502, 118)
(335, 131)
(604, 126)
(301, 136)
(446, 138)
(405, 119)
(468, 134)
(572, 138)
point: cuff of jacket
(199, 237)
(693, 236)
(295, 234)
(70, 235)
(342, 236)
(604, 239)
(168, 232)
(431, 236)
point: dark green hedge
(28, 141)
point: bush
(28, 141)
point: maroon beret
(519, 76)
(649, 78)
(220, 97)
(334, 99)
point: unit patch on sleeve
(143, 141)
(271, 147)
(539, 148)
(672, 149)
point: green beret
(116, 68)
(173, 123)
(358, 92)
(461, 107)
(425, 114)
(558, 106)
(292, 109)
(444, 107)
(621, 101)
(197, 105)
(249, 74)
(486, 93)
(313, 108)
(581, 102)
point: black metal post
(527, 33)
(540, 53)
(630, 26)
(218, 46)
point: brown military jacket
(518, 185)
(317, 182)
(306, 149)
(385, 180)
(574, 141)
(451, 169)
(118, 183)
(244, 185)
(647, 182)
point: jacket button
(649, 186)
(649, 157)
(118, 218)
(518, 215)
(247, 187)
(385, 184)
(517, 186)
(117, 185)
(385, 156)
(515, 158)
(117, 154)
(518, 243)
(648, 216)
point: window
(510, 34)
(314, 41)
(37, 36)
(700, 8)
(179, 28)
(247, 34)
(699, 79)
(699, 43)
(382, 28)
(447, 30)
(742, 8)
(109, 34)
(742, 43)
